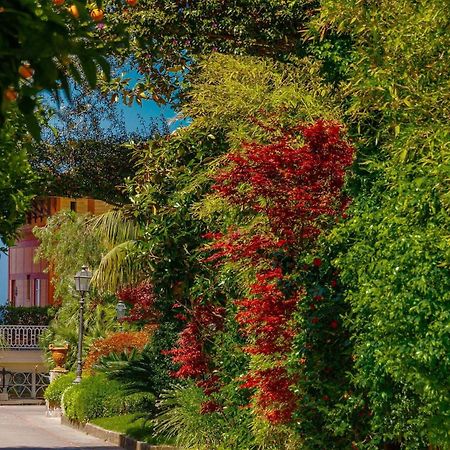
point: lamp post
(82, 281)
(121, 310)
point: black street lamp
(82, 282)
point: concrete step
(22, 401)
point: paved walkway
(27, 427)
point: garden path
(27, 427)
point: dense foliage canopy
(87, 150)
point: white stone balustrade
(20, 337)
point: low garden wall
(114, 437)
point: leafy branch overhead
(169, 35)
(42, 47)
(87, 151)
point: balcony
(23, 373)
(20, 337)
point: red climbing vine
(295, 183)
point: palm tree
(120, 232)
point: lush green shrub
(182, 420)
(33, 315)
(55, 390)
(90, 398)
(96, 396)
(393, 250)
(138, 402)
(398, 288)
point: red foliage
(210, 406)
(142, 299)
(298, 183)
(235, 246)
(274, 397)
(298, 188)
(266, 315)
(116, 343)
(189, 352)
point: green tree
(170, 34)
(86, 151)
(16, 180)
(68, 242)
(393, 251)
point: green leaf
(33, 126)
(105, 66)
(26, 105)
(90, 71)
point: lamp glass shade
(121, 310)
(83, 280)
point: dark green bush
(96, 396)
(34, 315)
(55, 390)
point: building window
(37, 292)
(28, 288)
(73, 206)
(13, 293)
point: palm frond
(117, 268)
(180, 418)
(116, 226)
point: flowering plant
(141, 298)
(123, 341)
(295, 185)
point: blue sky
(148, 110)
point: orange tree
(42, 45)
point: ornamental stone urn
(59, 355)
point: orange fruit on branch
(26, 71)
(132, 2)
(74, 11)
(97, 15)
(10, 94)
(58, 2)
